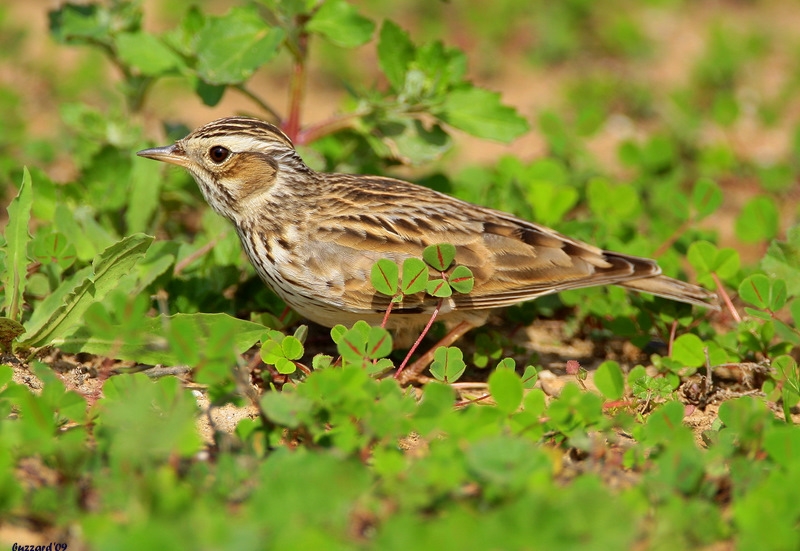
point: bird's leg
(412, 372)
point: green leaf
(292, 348)
(340, 22)
(231, 47)
(506, 389)
(782, 260)
(17, 238)
(53, 248)
(379, 343)
(151, 346)
(758, 220)
(144, 198)
(146, 53)
(706, 258)
(439, 256)
(782, 443)
(395, 53)
(448, 364)
(480, 113)
(107, 270)
(689, 350)
(755, 289)
(461, 279)
(415, 276)
(438, 288)
(609, 380)
(706, 197)
(384, 276)
(353, 345)
(551, 200)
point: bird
(313, 237)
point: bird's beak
(172, 154)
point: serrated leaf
(107, 270)
(506, 389)
(17, 238)
(480, 113)
(340, 22)
(384, 276)
(689, 350)
(151, 346)
(609, 380)
(755, 289)
(415, 276)
(448, 364)
(231, 47)
(438, 288)
(395, 53)
(439, 256)
(461, 279)
(146, 53)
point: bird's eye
(219, 153)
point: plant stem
(317, 131)
(258, 101)
(298, 86)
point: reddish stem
(298, 86)
(726, 299)
(419, 339)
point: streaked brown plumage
(313, 237)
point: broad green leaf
(612, 203)
(146, 53)
(480, 113)
(461, 279)
(395, 53)
(755, 289)
(758, 220)
(231, 47)
(551, 201)
(17, 238)
(384, 276)
(609, 380)
(107, 270)
(292, 348)
(285, 408)
(782, 444)
(352, 347)
(440, 256)
(53, 247)
(506, 389)
(415, 276)
(340, 22)
(379, 343)
(438, 288)
(689, 350)
(706, 258)
(415, 143)
(448, 364)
